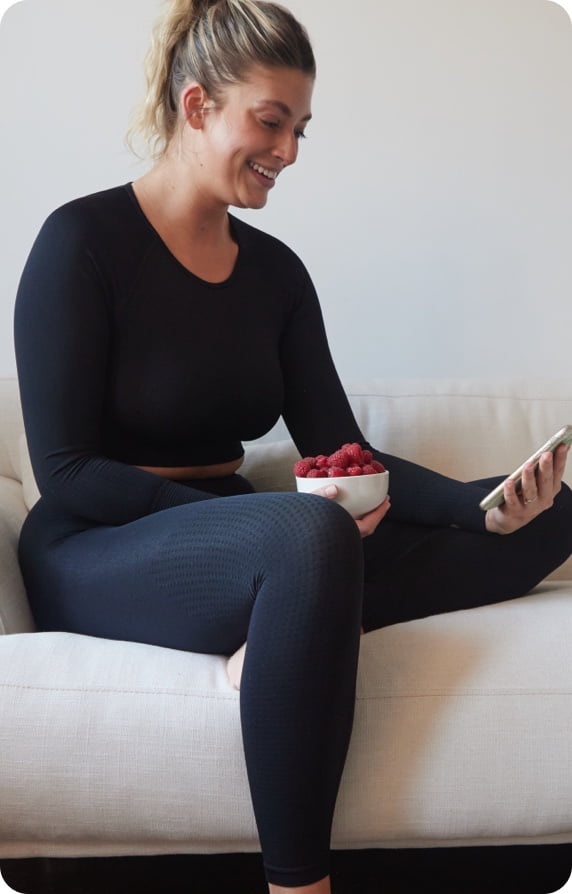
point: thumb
(329, 490)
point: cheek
(231, 155)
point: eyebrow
(286, 110)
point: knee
(304, 540)
(326, 526)
(329, 549)
(313, 533)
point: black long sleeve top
(126, 358)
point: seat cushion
(461, 736)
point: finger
(512, 499)
(369, 522)
(560, 457)
(378, 512)
(328, 490)
(545, 476)
(529, 484)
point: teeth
(272, 175)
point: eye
(276, 125)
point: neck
(193, 226)
(170, 193)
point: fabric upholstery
(462, 721)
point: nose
(286, 148)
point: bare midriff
(179, 473)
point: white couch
(463, 721)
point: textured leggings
(286, 572)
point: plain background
(432, 202)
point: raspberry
(348, 460)
(339, 459)
(302, 467)
(354, 454)
(336, 472)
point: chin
(255, 206)
(250, 202)
(251, 206)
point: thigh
(414, 571)
(185, 578)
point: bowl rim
(342, 477)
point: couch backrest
(11, 429)
(463, 428)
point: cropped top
(125, 358)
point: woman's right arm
(63, 339)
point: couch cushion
(463, 729)
(269, 466)
(466, 428)
(139, 745)
(15, 616)
(461, 736)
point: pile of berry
(350, 459)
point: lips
(265, 172)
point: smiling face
(243, 144)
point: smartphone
(496, 496)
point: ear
(193, 102)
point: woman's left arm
(539, 487)
(320, 419)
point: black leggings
(286, 572)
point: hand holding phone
(496, 496)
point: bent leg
(413, 571)
(318, 658)
(285, 572)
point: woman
(154, 333)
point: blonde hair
(213, 42)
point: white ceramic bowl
(358, 494)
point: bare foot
(321, 887)
(234, 667)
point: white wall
(432, 201)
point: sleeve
(320, 419)
(62, 338)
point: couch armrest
(15, 615)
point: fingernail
(331, 490)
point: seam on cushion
(464, 693)
(459, 396)
(231, 696)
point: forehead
(289, 90)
